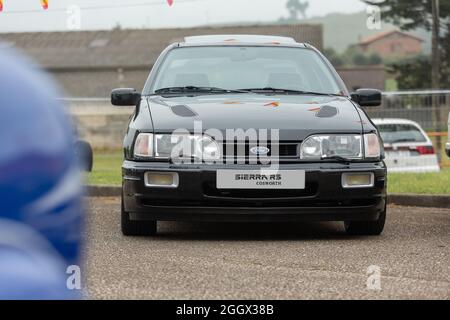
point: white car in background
(407, 146)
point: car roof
(233, 39)
(395, 121)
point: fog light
(358, 180)
(161, 179)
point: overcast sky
(28, 15)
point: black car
(250, 128)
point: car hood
(296, 117)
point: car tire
(136, 228)
(366, 228)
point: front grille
(210, 190)
(239, 152)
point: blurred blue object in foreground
(39, 182)
(29, 266)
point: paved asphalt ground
(273, 261)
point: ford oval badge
(260, 151)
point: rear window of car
(397, 133)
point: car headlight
(143, 146)
(172, 146)
(207, 148)
(372, 146)
(343, 145)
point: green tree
(375, 59)
(296, 7)
(360, 59)
(410, 15)
(412, 73)
(335, 58)
(352, 56)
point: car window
(393, 133)
(240, 67)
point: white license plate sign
(397, 154)
(260, 179)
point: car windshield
(240, 67)
(397, 133)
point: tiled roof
(131, 48)
(381, 35)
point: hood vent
(183, 111)
(327, 112)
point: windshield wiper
(195, 89)
(336, 158)
(288, 91)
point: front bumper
(197, 199)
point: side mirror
(367, 97)
(125, 97)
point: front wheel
(366, 228)
(136, 228)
